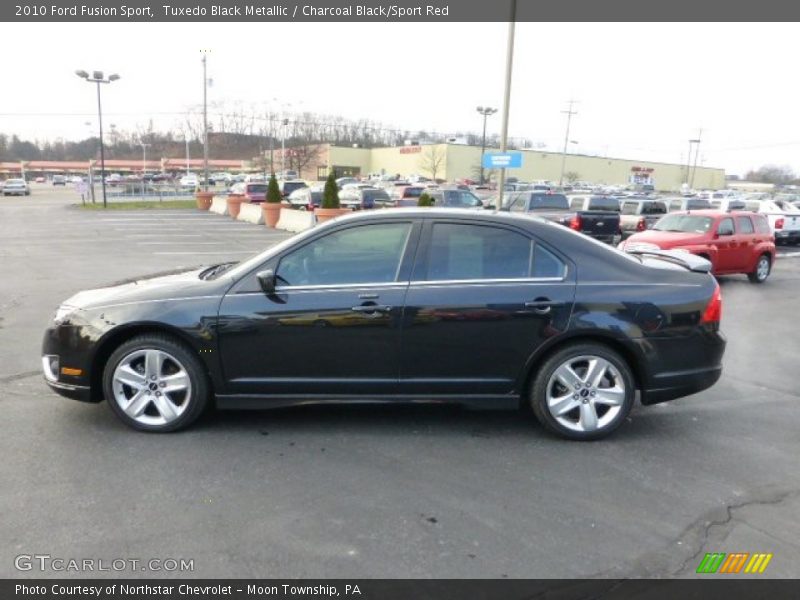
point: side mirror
(267, 281)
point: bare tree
(432, 160)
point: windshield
(375, 195)
(549, 201)
(684, 223)
(603, 204)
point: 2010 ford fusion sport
(405, 305)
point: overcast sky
(643, 90)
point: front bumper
(75, 392)
(65, 366)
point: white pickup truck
(783, 217)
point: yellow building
(451, 162)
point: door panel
(473, 338)
(312, 341)
(332, 324)
(482, 299)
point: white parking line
(182, 243)
(789, 255)
(158, 235)
(220, 253)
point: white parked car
(783, 217)
(190, 180)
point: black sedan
(404, 305)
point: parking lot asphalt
(379, 491)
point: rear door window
(468, 252)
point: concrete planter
(326, 214)
(235, 204)
(204, 200)
(272, 212)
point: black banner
(377, 589)
(149, 11)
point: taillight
(641, 225)
(713, 312)
(779, 224)
(575, 223)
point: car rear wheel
(583, 392)
(154, 383)
(761, 272)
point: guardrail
(296, 220)
(251, 213)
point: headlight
(62, 312)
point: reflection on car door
(481, 299)
(333, 324)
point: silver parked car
(16, 187)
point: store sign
(642, 169)
(410, 149)
(502, 160)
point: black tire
(754, 277)
(197, 398)
(538, 391)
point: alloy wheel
(152, 387)
(585, 393)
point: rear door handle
(543, 306)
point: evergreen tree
(425, 200)
(273, 191)
(330, 196)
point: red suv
(734, 242)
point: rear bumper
(608, 239)
(787, 235)
(701, 352)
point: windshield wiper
(216, 270)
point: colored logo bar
(720, 562)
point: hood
(667, 239)
(159, 286)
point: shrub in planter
(272, 207)
(330, 201)
(425, 200)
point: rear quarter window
(762, 226)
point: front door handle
(372, 308)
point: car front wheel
(761, 272)
(583, 392)
(154, 383)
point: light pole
(144, 165)
(144, 158)
(485, 111)
(569, 112)
(97, 77)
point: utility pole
(569, 112)
(205, 124)
(696, 153)
(507, 98)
